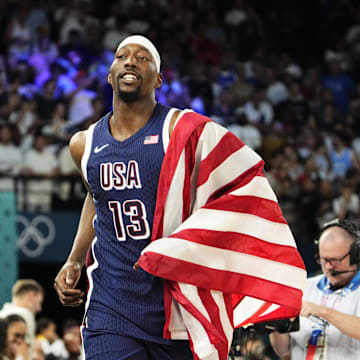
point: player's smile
(129, 77)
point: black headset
(353, 229)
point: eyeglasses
(332, 261)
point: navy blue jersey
(123, 177)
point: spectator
(276, 91)
(39, 161)
(242, 88)
(57, 127)
(253, 348)
(259, 111)
(347, 204)
(27, 298)
(329, 318)
(342, 156)
(10, 158)
(72, 341)
(26, 118)
(12, 338)
(38, 353)
(18, 35)
(69, 346)
(46, 101)
(223, 111)
(341, 85)
(70, 191)
(44, 54)
(46, 334)
(246, 131)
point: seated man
(330, 314)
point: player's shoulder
(189, 117)
(78, 139)
(77, 145)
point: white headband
(146, 43)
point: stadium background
(272, 63)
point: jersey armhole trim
(87, 151)
(167, 121)
(166, 128)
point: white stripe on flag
(243, 159)
(200, 339)
(228, 260)
(218, 297)
(248, 224)
(173, 214)
(246, 308)
(259, 187)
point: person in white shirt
(330, 314)
(10, 159)
(40, 161)
(27, 298)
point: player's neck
(128, 118)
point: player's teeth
(130, 77)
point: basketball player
(141, 165)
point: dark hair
(4, 325)
(42, 324)
(3, 335)
(68, 324)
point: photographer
(330, 314)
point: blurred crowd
(26, 336)
(283, 77)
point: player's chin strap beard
(129, 96)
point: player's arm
(346, 323)
(70, 273)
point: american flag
(151, 139)
(220, 240)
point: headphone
(351, 228)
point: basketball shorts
(101, 345)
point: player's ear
(109, 79)
(159, 79)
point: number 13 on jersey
(139, 228)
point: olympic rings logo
(35, 235)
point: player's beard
(128, 96)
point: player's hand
(65, 283)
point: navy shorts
(108, 346)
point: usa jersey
(123, 178)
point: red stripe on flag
(189, 166)
(167, 308)
(264, 208)
(216, 337)
(242, 243)
(227, 145)
(213, 311)
(240, 181)
(183, 271)
(170, 163)
(257, 314)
